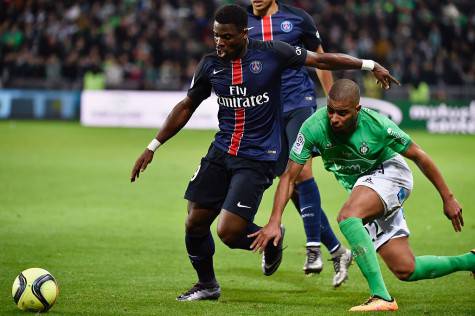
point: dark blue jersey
(296, 27)
(248, 91)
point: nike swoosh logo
(304, 208)
(217, 71)
(243, 206)
(193, 257)
(250, 28)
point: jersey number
(374, 229)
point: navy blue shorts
(232, 183)
(292, 121)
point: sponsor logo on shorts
(242, 205)
(196, 173)
(368, 180)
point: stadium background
(116, 248)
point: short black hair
(232, 14)
(345, 90)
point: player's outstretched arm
(452, 208)
(174, 122)
(325, 76)
(271, 231)
(336, 61)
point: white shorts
(393, 182)
(381, 230)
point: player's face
(229, 40)
(261, 5)
(343, 115)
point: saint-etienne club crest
(364, 148)
(255, 67)
(286, 26)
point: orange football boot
(376, 304)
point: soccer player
(245, 75)
(270, 20)
(363, 150)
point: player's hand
(453, 211)
(383, 77)
(264, 236)
(141, 164)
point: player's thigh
(363, 203)
(398, 256)
(246, 188)
(209, 184)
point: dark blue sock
(327, 235)
(200, 251)
(244, 242)
(310, 208)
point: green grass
(116, 248)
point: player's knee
(227, 236)
(193, 226)
(344, 214)
(347, 210)
(404, 271)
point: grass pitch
(116, 248)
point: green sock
(365, 255)
(430, 267)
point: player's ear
(245, 33)
(358, 107)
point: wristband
(367, 64)
(154, 144)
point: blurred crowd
(156, 44)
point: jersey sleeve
(310, 36)
(396, 138)
(200, 88)
(303, 146)
(291, 56)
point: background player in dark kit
(271, 20)
(245, 75)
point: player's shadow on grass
(285, 287)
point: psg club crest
(286, 26)
(255, 67)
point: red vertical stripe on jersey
(237, 71)
(267, 28)
(239, 114)
(239, 119)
